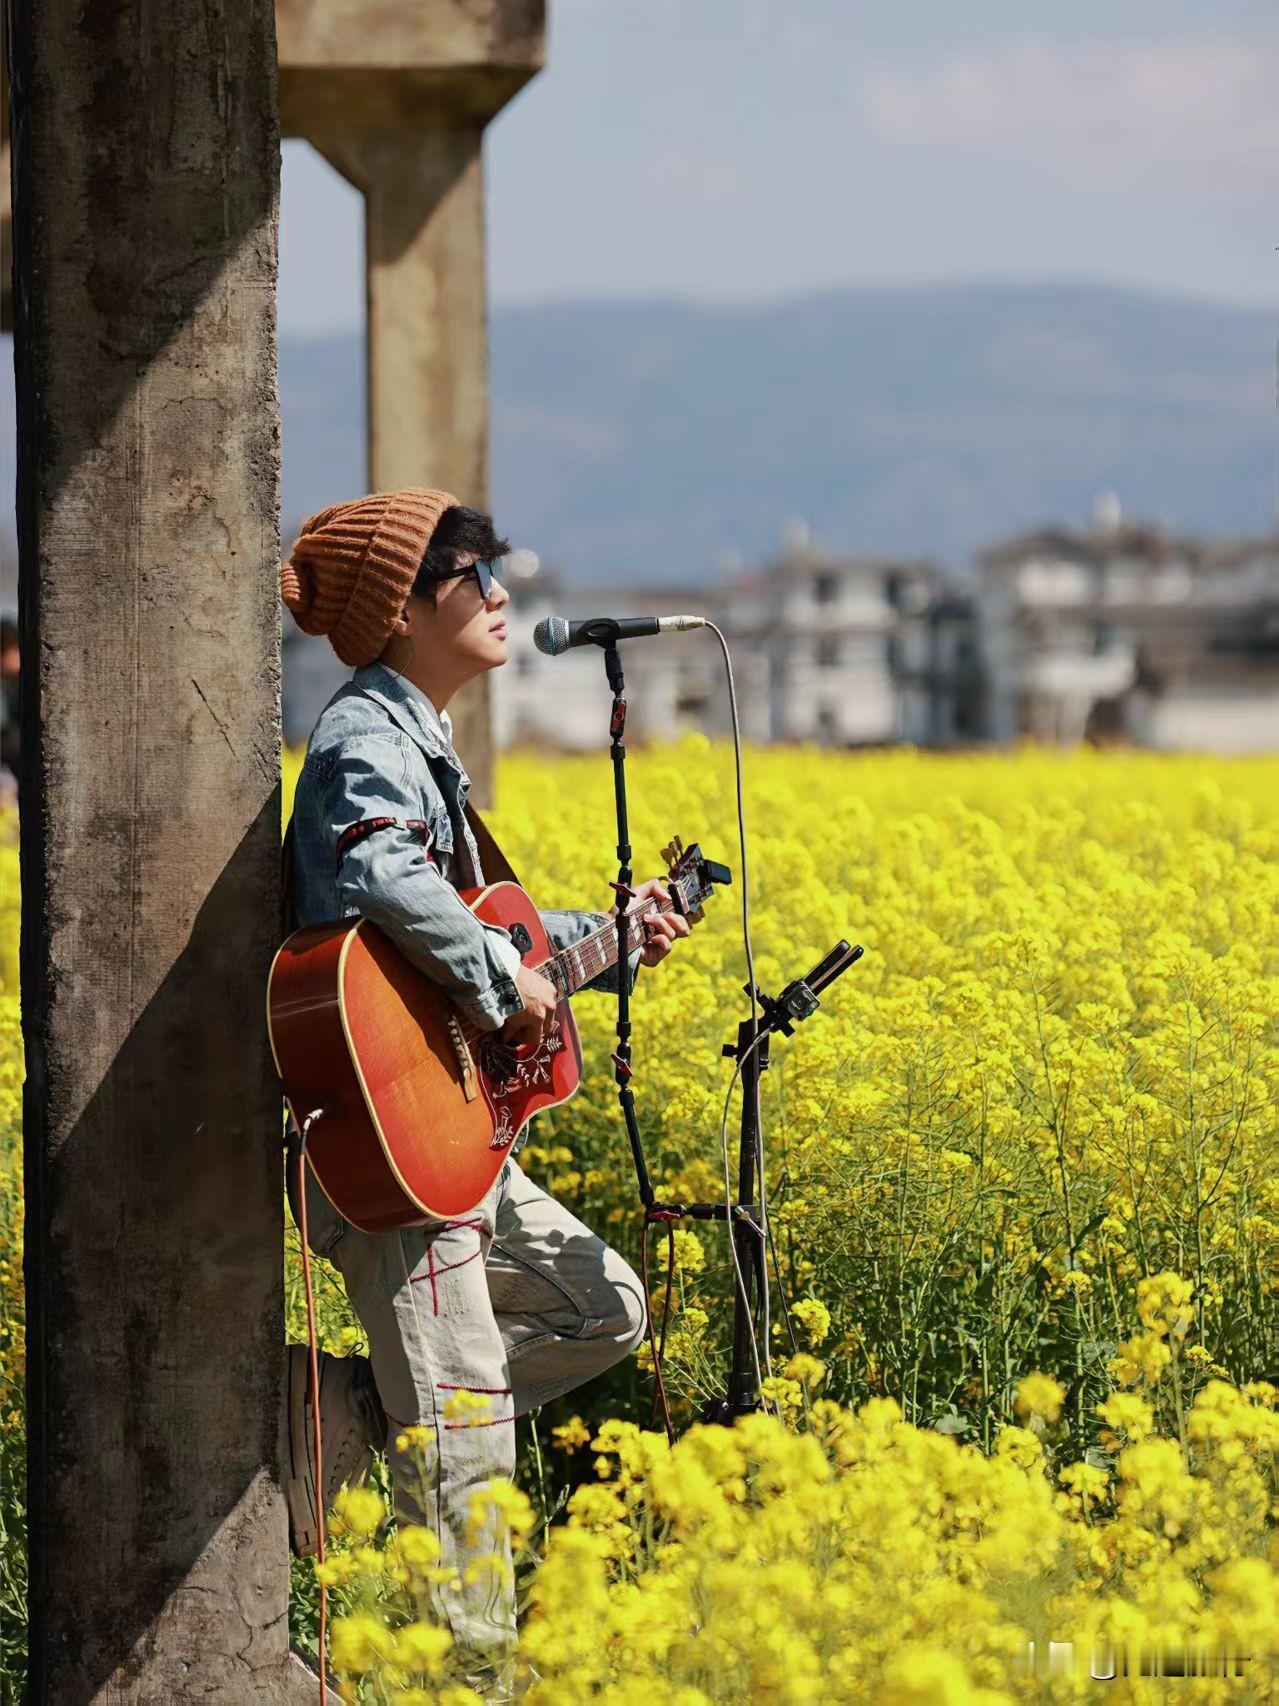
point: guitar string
(471, 1032)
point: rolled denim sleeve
(389, 879)
(565, 928)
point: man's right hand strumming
(534, 1021)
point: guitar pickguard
(508, 1072)
(516, 1084)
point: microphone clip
(600, 631)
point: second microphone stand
(797, 1001)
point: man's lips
(499, 628)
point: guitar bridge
(465, 1060)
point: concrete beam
(146, 185)
(406, 35)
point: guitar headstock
(691, 877)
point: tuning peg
(668, 853)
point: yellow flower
(422, 1647)
(784, 1393)
(497, 1508)
(1128, 1414)
(814, 1317)
(337, 1569)
(359, 1642)
(806, 1369)
(467, 1408)
(1039, 1395)
(1143, 1357)
(357, 1510)
(1020, 1446)
(1164, 1303)
(1059, 1053)
(571, 1434)
(689, 1254)
(417, 1547)
(419, 1437)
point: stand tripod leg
(742, 1395)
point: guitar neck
(577, 964)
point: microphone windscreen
(551, 636)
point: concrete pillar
(6, 209)
(398, 104)
(145, 146)
(426, 336)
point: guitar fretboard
(577, 964)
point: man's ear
(400, 625)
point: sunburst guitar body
(418, 1106)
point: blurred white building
(839, 650)
(565, 701)
(1125, 632)
(854, 650)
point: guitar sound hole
(499, 1059)
(520, 936)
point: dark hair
(457, 531)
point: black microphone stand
(622, 1054)
(797, 1001)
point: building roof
(1135, 541)
(810, 562)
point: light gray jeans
(512, 1304)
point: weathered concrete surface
(404, 35)
(6, 210)
(397, 100)
(145, 174)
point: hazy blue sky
(721, 149)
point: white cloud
(1183, 98)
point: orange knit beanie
(353, 566)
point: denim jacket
(374, 752)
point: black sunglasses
(483, 573)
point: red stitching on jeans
(452, 1427)
(449, 1266)
(452, 1225)
(494, 1391)
(432, 1272)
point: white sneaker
(353, 1426)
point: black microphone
(555, 634)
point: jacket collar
(385, 686)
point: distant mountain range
(650, 439)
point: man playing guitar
(470, 1321)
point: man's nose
(498, 595)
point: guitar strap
(496, 866)
(494, 863)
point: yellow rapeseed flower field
(1022, 1174)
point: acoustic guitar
(420, 1105)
